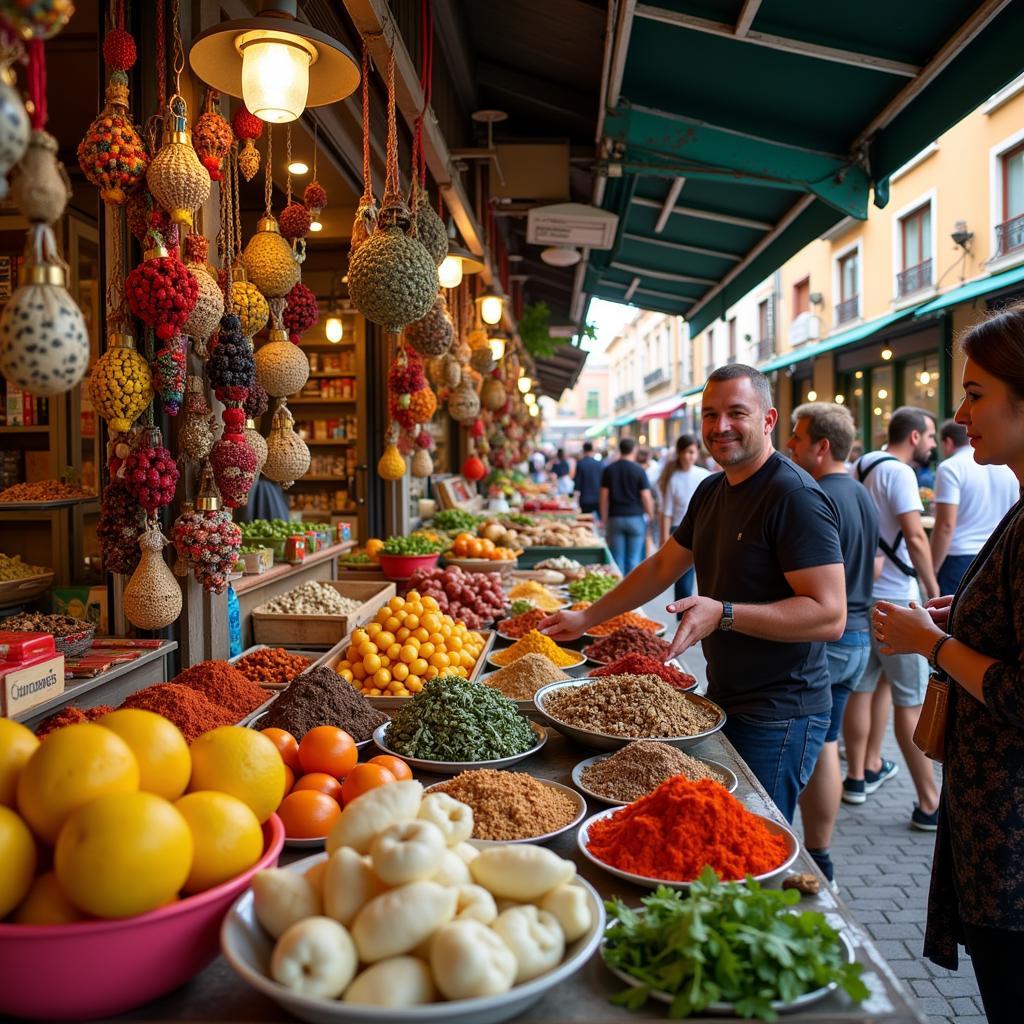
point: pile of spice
(609, 626)
(640, 707)
(642, 665)
(70, 715)
(321, 697)
(510, 805)
(190, 710)
(629, 640)
(535, 642)
(313, 598)
(224, 685)
(272, 665)
(525, 676)
(640, 768)
(537, 594)
(37, 622)
(683, 827)
(453, 719)
(519, 625)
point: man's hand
(564, 625)
(938, 609)
(701, 616)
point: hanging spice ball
(231, 367)
(482, 360)
(492, 394)
(422, 463)
(150, 472)
(176, 178)
(281, 367)
(432, 335)
(152, 597)
(40, 185)
(38, 19)
(269, 261)
(246, 302)
(422, 406)
(112, 155)
(315, 197)
(287, 454)
(247, 127)
(209, 541)
(205, 317)
(169, 371)
(162, 293)
(14, 126)
(430, 229)
(119, 50)
(44, 343)
(406, 445)
(473, 469)
(120, 384)
(301, 313)
(212, 139)
(120, 525)
(233, 461)
(391, 465)
(145, 215)
(294, 221)
(256, 402)
(195, 440)
(257, 442)
(464, 403)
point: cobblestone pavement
(883, 869)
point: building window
(732, 357)
(1010, 231)
(848, 307)
(765, 334)
(881, 404)
(593, 408)
(709, 352)
(916, 252)
(801, 297)
(921, 383)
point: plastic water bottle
(234, 623)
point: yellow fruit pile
(408, 643)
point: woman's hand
(938, 609)
(900, 630)
(565, 625)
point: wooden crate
(321, 630)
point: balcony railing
(654, 378)
(765, 349)
(624, 400)
(848, 310)
(1010, 235)
(914, 279)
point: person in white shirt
(678, 480)
(970, 501)
(906, 570)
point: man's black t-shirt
(625, 480)
(744, 539)
(588, 480)
(560, 467)
(858, 538)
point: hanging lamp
(276, 63)
(491, 305)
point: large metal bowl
(608, 741)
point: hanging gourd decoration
(152, 597)
(150, 472)
(391, 465)
(287, 455)
(212, 137)
(44, 343)
(257, 442)
(315, 195)
(246, 302)
(301, 312)
(269, 261)
(482, 360)
(422, 463)
(451, 371)
(247, 127)
(430, 229)
(231, 368)
(40, 186)
(233, 461)
(464, 403)
(281, 367)
(120, 525)
(176, 178)
(432, 335)
(207, 539)
(294, 221)
(14, 124)
(205, 317)
(473, 468)
(120, 384)
(195, 439)
(38, 19)
(493, 395)
(169, 371)
(161, 292)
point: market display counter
(217, 993)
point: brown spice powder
(525, 676)
(510, 805)
(639, 768)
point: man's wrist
(725, 620)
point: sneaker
(924, 822)
(872, 780)
(854, 791)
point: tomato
(486, 545)
(287, 746)
(320, 782)
(395, 765)
(308, 814)
(475, 548)
(364, 777)
(327, 749)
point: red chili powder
(191, 711)
(224, 685)
(682, 827)
(642, 665)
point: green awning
(598, 429)
(974, 290)
(621, 421)
(742, 131)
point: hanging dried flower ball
(150, 472)
(246, 302)
(119, 50)
(120, 384)
(212, 138)
(256, 402)
(294, 221)
(231, 367)
(195, 440)
(145, 214)
(120, 525)
(247, 127)
(209, 541)
(112, 154)
(315, 198)
(301, 313)
(430, 229)
(432, 335)
(169, 371)
(233, 460)
(162, 293)
(269, 261)
(477, 429)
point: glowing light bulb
(887, 353)
(497, 346)
(524, 384)
(812, 396)
(275, 75)
(450, 272)
(840, 399)
(882, 393)
(298, 167)
(315, 225)
(491, 306)
(334, 329)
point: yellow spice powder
(536, 643)
(537, 594)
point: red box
(22, 646)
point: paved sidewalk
(883, 869)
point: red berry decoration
(212, 139)
(197, 248)
(150, 472)
(315, 198)
(119, 50)
(294, 221)
(301, 312)
(169, 368)
(477, 429)
(424, 440)
(145, 214)
(231, 367)
(233, 460)
(209, 541)
(473, 468)
(256, 402)
(162, 293)
(246, 125)
(120, 525)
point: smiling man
(765, 543)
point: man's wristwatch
(725, 622)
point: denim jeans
(626, 535)
(951, 572)
(847, 659)
(781, 754)
(684, 585)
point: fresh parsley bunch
(730, 942)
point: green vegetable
(592, 586)
(455, 519)
(452, 719)
(520, 606)
(730, 942)
(415, 544)
(356, 558)
(519, 519)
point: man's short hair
(955, 432)
(828, 421)
(588, 447)
(626, 446)
(734, 371)
(905, 420)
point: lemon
(123, 854)
(76, 764)
(17, 744)
(158, 746)
(242, 763)
(17, 860)
(226, 835)
(47, 904)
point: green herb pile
(520, 606)
(454, 519)
(592, 586)
(415, 544)
(452, 719)
(356, 558)
(729, 942)
(518, 519)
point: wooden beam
(670, 201)
(661, 275)
(535, 91)
(682, 247)
(747, 16)
(773, 42)
(634, 284)
(693, 211)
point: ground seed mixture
(641, 707)
(510, 805)
(639, 768)
(525, 676)
(321, 697)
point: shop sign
(26, 687)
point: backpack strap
(863, 473)
(889, 550)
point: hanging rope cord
(367, 161)
(268, 178)
(288, 164)
(392, 180)
(161, 58)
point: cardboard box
(86, 603)
(29, 683)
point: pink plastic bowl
(100, 968)
(401, 567)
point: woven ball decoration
(481, 360)
(246, 302)
(430, 229)
(233, 461)
(301, 313)
(422, 463)
(294, 221)
(119, 50)
(257, 442)
(269, 261)
(14, 131)
(231, 368)
(152, 597)
(256, 402)
(392, 279)
(112, 155)
(120, 525)
(195, 439)
(249, 160)
(432, 335)
(151, 474)
(493, 395)
(464, 403)
(120, 386)
(162, 293)
(287, 454)
(282, 368)
(169, 371)
(212, 138)
(204, 319)
(209, 541)
(391, 465)
(145, 214)
(40, 186)
(180, 183)
(315, 198)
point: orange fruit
(486, 545)
(395, 765)
(320, 782)
(308, 814)
(240, 762)
(475, 548)
(17, 745)
(364, 777)
(287, 746)
(227, 838)
(164, 760)
(327, 749)
(289, 780)
(373, 546)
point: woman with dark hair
(679, 479)
(976, 639)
